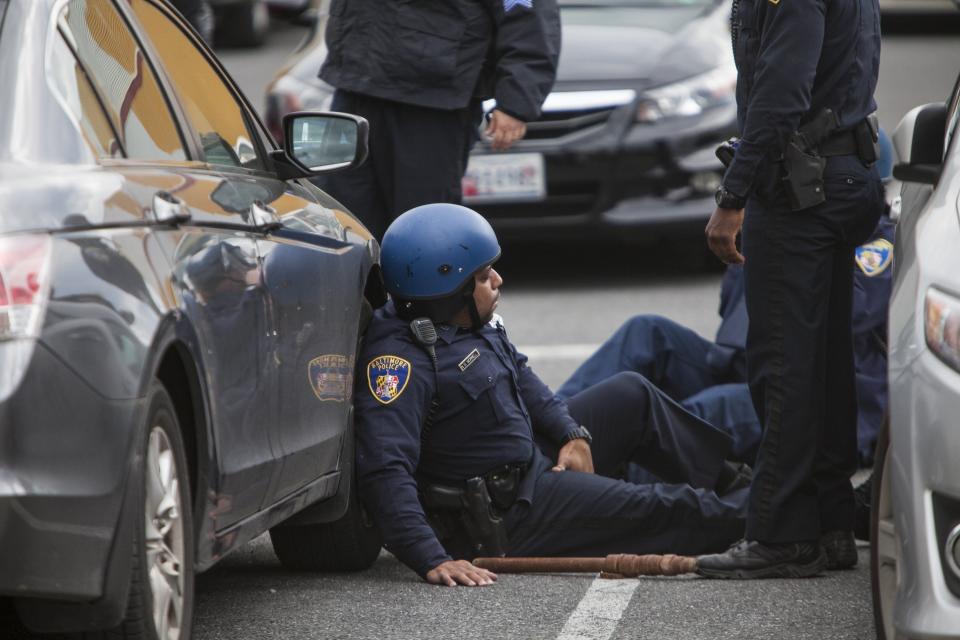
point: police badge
(874, 257)
(331, 377)
(387, 377)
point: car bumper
(617, 177)
(925, 400)
(64, 463)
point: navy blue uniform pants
(571, 513)
(799, 291)
(417, 156)
(677, 360)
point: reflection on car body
(172, 293)
(644, 94)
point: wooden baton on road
(619, 565)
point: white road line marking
(597, 615)
(558, 351)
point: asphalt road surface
(558, 305)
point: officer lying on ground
(463, 451)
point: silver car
(915, 565)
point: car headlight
(690, 97)
(941, 321)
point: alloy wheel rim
(888, 551)
(164, 536)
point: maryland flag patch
(387, 377)
(874, 257)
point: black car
(179, 316)
(625, 145)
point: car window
(125, 83)
(209, 103)
(77, 94)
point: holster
(803, 177)
(465, 519)
(803, 165)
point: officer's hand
(575, 456)
(454, 572)
(722, 233)
(504, 130)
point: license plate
(508, 176)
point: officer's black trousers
(799, 291)
(570, 513)
(417, 156)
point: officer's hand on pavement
(454, 572)
(504, 130)
(722, 230)
(575, 456)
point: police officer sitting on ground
(418, 72)
(463, 451)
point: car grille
(556, 124)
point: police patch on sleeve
(874, 257)
(387, 377)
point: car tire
(243, 25)
(160, 604)
(351, 543)
(884, 546)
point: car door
(301, 268)
(214, 252)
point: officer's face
(486, 292)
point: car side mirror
(320, 142)
(918, 140)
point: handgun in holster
(464, 519)
(803, 165)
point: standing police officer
(462, 450)
(807, 73)
(418, 71)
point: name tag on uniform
(469, 360)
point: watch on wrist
(580, 433)
(729, 200)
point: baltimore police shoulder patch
(387, 377)
(874, 257)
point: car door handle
(264, 217)
(169, 209)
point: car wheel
(244, 25)
(351, 543)
(884, 546)
(160, 605)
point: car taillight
(24, 287)
(942, 326)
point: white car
(915, 537)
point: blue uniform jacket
(471, 432)
(794, 58)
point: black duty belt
(843, 143)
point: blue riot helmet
(429, 256)
(885, 156)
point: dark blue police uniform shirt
(490, 404)
(794, 58)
